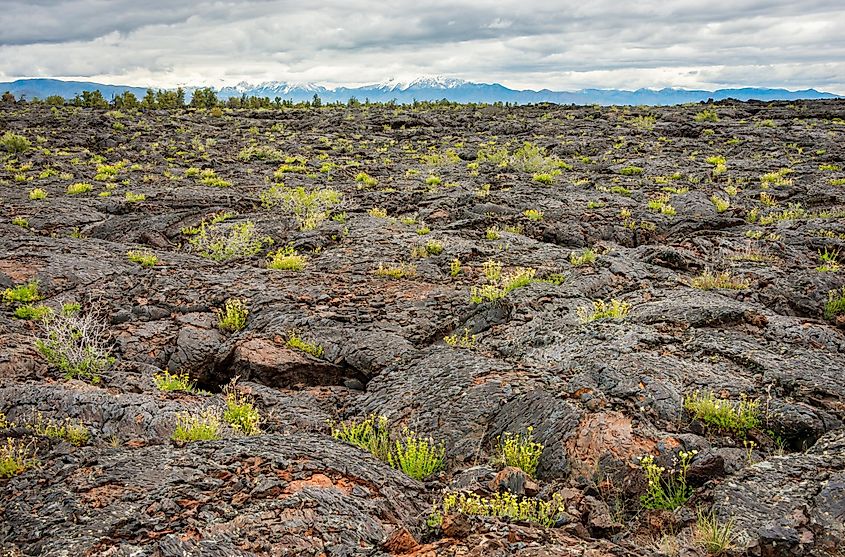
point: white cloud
(551, 44)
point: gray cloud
(553, 44)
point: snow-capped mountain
(425, 89)
(433, 82)
(270, 89)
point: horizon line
(398, 82)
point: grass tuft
(416, 456)
(287, 259)
(233, 316)
(165, 381)
(370, 434)
(204, 426)
(586, 257)
(143, 257)
(614, 309)
(724, 280)
(835, 304)
(738, 417)
(297, 343)
(715, 536)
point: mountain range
(427, 89)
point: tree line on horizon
(204, 98)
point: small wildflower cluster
(503, 505)
(520, 451)
(669, 492)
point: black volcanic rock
(462, 193)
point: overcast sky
(560, 45)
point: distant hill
(428, 89)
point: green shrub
(79, 187)
(76, 344)
(777, 178)
(500, 285)
(395, 271)
(520, 450)
(220, 242)
(14, 143)
(455, 267)
(16, 457)
(260, 152)
(737, 417)
(370, 434)
(204, 426)
(287, 259)
(292, 164)
(434, 247)
(23, 293)
(485, 293)
(464, 341)
(720, 204)
(417, 457)
(668, 491)
(631, 171)
(505, 505)
(531, 158)
(724, 280)
(74, 432)
(20, 221)
(544, 178)
(143, 257)
(295, 342)
(366, 179)
(835, 304)
(829, 260)
(233, 316)
(134, 197)
(109, 172)
(533, 215)
(586, 257)
(165, 381)
(37, 194)
(309, 208)
(33, 313)
(660, 204)
(378, 213)
(706, 115)
(241, 413)
(208, 177)
(614, 309)
(518, 278)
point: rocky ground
(752, 193)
